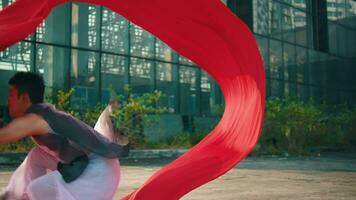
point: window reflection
(141, 75)
(115, 32)
(17, 57)
(83, 77)
(113, 70)
(163, 52)
(142, 43)
(275, 19)
(187, 80)
(166, 84)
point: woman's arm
(104, 125)
(28, 125)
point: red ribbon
(209, 34)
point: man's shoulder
(40, 107)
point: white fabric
(37, 178)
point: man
(71, 160)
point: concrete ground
(326, 177)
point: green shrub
(289, 127)
(132, 116)
(301, 128)
(23, 145)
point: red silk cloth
(209, 34)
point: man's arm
(28, 125)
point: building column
(320, 25)
(243, 9)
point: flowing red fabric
(209, 34)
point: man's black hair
(30, 83)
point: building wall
(289, 40)
(91, 49)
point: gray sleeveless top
(58, 146)
(71, 140)
(71, 137)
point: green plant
(23, 145)
(63, 102)
(131, 118)
(291, 126)
(218, 109)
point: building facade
(308, 48)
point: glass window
(289, 62)
(342, 41)
(289, 21)
(314, 68)
(187, 75)
(342, 12)
(301, 28)
(17, 57)
(263, 48)
(142, 42)
(205, 82)
(164, 71)
(301, 4)
(184, 60)
(140, 68)
(165, 83)
(333, 28)
(309, 31)
(187, 80)
(350, 40)
(327, 63)
(115, 32)
(275, 59)
(163, 52)
(56, 27)
(350, 13)
(260, 14)
(275, 19)
(85, 25)
(53, 63)
(112, 75)
(301, 59)
(217, 98)
(141, 75)
(83, 77)
(205, 85)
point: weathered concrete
(327, 177)
(252, 184)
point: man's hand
(114, 104)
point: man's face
(17, 104)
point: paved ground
(326, 177)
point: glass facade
(91, 49)
(285, 33)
